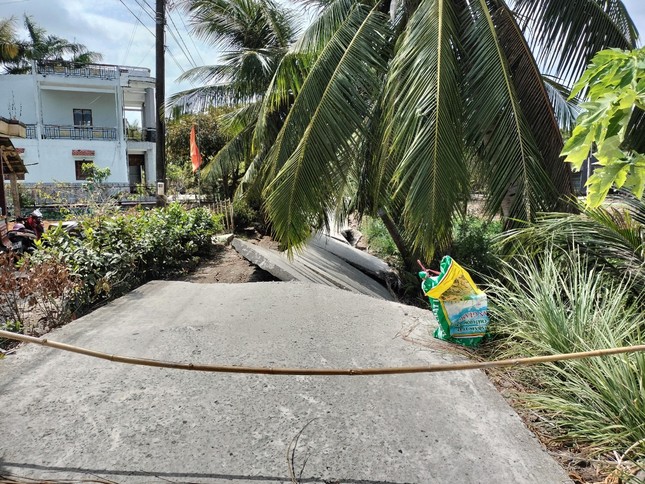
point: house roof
(11, 160)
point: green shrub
(244, 215)
(554, 303)
(115, 254)
(378, 238)
(473, 246)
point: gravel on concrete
(67, 416)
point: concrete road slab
(312, 264)
(68, 416)
(363, 261)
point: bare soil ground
(223, 264)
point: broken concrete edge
(315, 265)
(366, 263)
(225, 239)
(262, 262)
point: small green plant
(244, 215)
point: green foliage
(555, 303)
(210, 140)
(245, 215)
(115, 254)
(378, 238)
(616, 89)
(96, 190)
(612, 238)
(473, 245)
(42, 46)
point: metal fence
(68, 69)
(51, 131)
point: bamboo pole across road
(323, 371)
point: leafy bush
(244, 215)
(610, 237)
(473, 245)
(554, 303)
(378, 238)
(115, 254)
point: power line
(192, 40)
(172, 56)
(179, 41)
(143, 8)
(185, 48)
(137, 17)
(134, 31)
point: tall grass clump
(555, 303)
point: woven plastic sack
(459, 305)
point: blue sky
(107, 26)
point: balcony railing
(51, 131)
(77, 70)
(100, 71)
(31, 131)
(148, 134)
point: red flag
(195, 157)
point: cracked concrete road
(67, 416)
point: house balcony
(51, 131)
(96, 71)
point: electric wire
(185, 49)
(192, 40)
(135, 26)
(137, 17)
(142, 23)
(176, 35)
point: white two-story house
(76, 115)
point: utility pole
(160, 99)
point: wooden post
(15, 193)
(160, 99)
(3, 199)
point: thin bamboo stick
(323, 371)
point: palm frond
(424, 111)
(235, 153)
(201, 98)
(496, 127)
(8, 42)
(534, 100)
(231, 122)
(611, 237)
(566, 111)
(318, 34)
(567, 33)
(308, 161)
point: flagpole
(199, 172)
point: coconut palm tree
(42, 46)
(8, 45)
(399, 99)
(252, 37)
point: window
(80, 175)
(82, 117)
